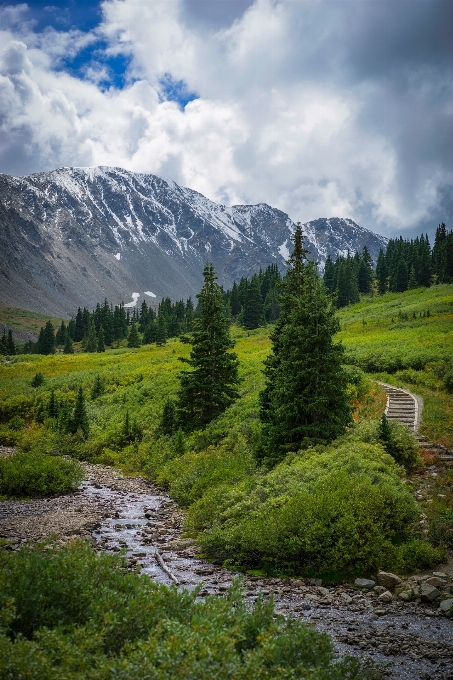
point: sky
(321, 108)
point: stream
(413, 640)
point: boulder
(436, 581)
(385, 597)
(428, 593)
(388, 580)
(364, 583)
(440, 574)
(406, 595)
(446, 605)
(379, 589)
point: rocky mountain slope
(74, 236)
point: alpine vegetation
(305, 400)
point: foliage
(332, 512)
(207, 390)
(25, 475)
(99, 621)
(38, 380)
(168, 420)
(305, 400)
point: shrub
(101, 622)
(25, 475)
(417, 554)
(441, 528)
(330, 512)
(37, 380)
(403, 445)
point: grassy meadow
(406, 339)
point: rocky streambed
(413, 638)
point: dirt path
(116, 512)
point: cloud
(320, 108)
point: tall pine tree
(207, 390)
(304, 401)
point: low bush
(27, 475)
(405, 449)
(331, 512)
(101, 622)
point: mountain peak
(73, 236)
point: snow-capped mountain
(74, 236)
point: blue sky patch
(176, 91)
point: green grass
(202, 468)
(22, 319)
(409, 353)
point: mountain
(74, 236)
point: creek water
(412, 640)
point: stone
(379, 589)
(428, 593)
(386, 597)
(405, 595)
(379, 612)
(435, 581)
(364, 583)
(347, 598)
(446, 605)
(180, 544)
(388, 580)
(323, 591)
(440, 574)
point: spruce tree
(168, 419)
(52, 407)
(133, 339)
(381, 272)
(101, 344)
(253, 306)
(68, 345)
(161, 329)
(10, 343)
(98, 387)
(304, 401)
(211, 386)
(46, 340)
(79, 420)
(91, 341)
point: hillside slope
(74, 236)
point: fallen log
(164, 567)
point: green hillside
(406, 339)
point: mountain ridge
(72, 236)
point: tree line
(410, 264)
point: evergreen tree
(4, 344)
(304, 401)
(207, 390)
(98, 387)
(168, 420)
(381, 272)
(235, 304)
(161, 329)
(412, 283)
(46, 340)
(11, 347)
(133, 339)
(150, 332)
(68, 345)
(401, 278)
(365, 272)
(329, 275)
(91, 341)
(37, 380)
(385, 435)
(61, 334)
(52, 407)
(253, 306)
(79, 420)
(101, 344)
